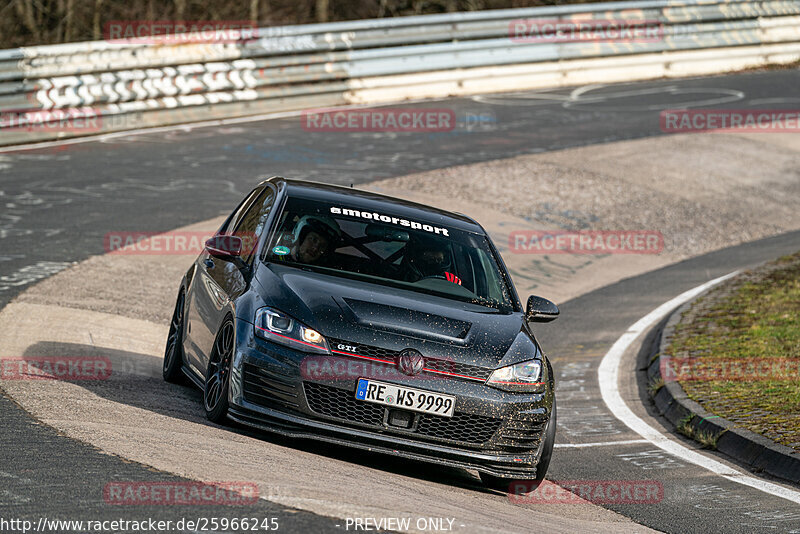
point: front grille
(465, 427)
(367, 350)
(341, 404)
(434, 364)
(268, 389)
(463, 369)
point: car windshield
(386, 249)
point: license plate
(413, 399)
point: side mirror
(225, 246)
(540, 310)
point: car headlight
(276, 326)
(523, 377)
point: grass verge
(737, 352)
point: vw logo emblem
(410, 362)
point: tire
(215, 391)
(504, 484)
(549, 442)
(173, 353)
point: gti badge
(410, 362)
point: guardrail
(58, 91)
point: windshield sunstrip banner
(373, 216)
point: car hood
(357, 312)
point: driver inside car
(314, 237)
(425, 258)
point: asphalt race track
(695, 500)
(59, 202)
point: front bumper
(492, 431)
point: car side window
(252, 222)
(235, 217)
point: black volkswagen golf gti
(346, 316)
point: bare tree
(69, 22)
(254, 11)
(322, 10)
(98, 9)
(25, 12)
(180, 9)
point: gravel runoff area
(702, 191)
(736, 351)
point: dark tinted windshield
(386, 249)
